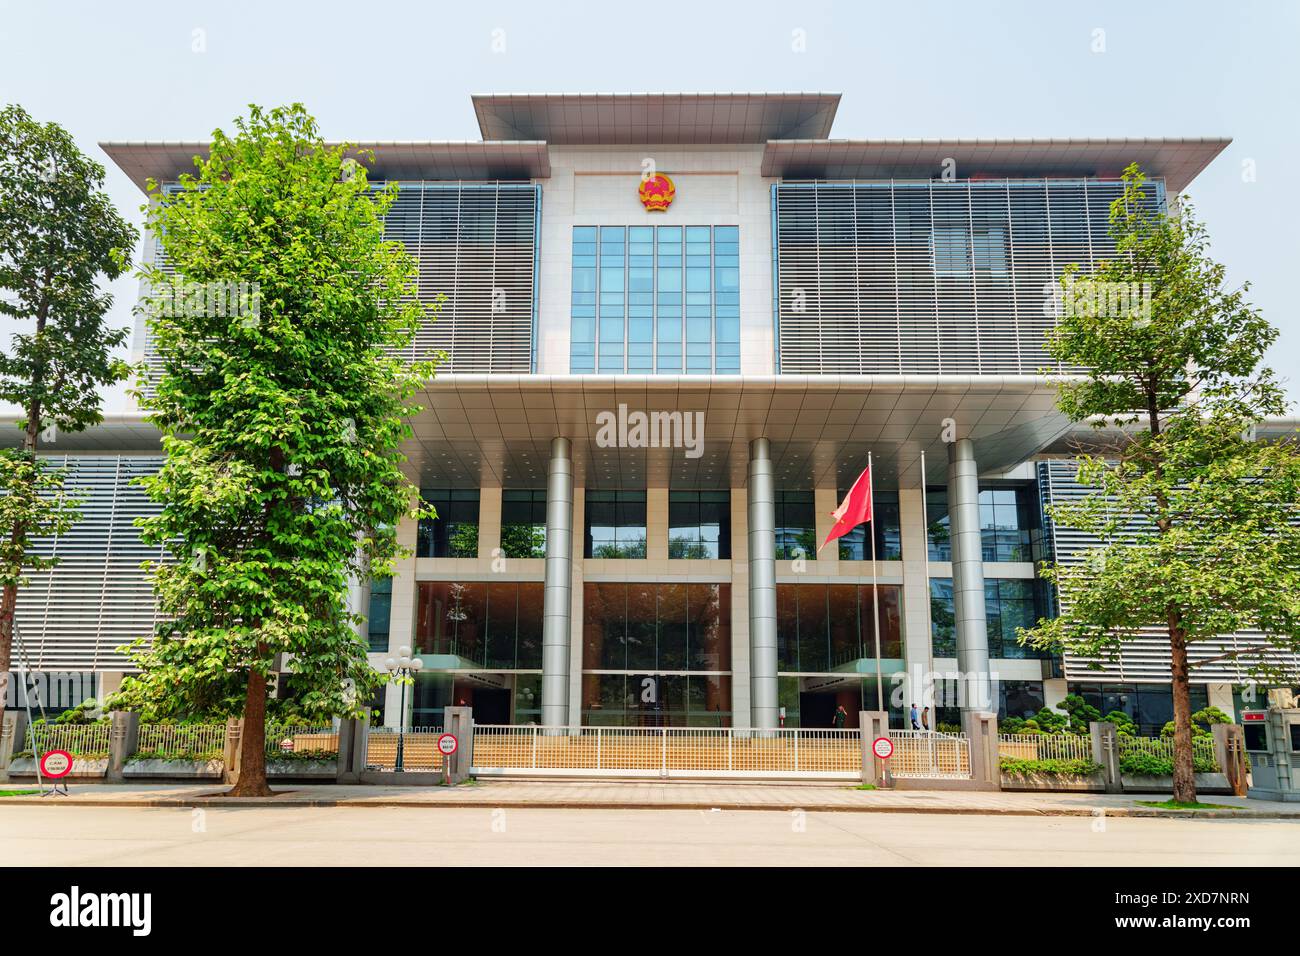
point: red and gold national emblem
(657, 193)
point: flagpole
(875, 588)
(929, 624)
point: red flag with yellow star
(854, 510)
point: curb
(482, 804)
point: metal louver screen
(475, 244)
(1144, 659)
(97, 597)
(930, 277)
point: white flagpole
(929, 625)
(875, 589)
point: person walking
(841, 715)
(916, 721)
(925, 718)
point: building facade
(677, 328)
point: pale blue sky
(404, 71)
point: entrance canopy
(497, 429)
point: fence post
(873, 724)
(123, 740)
(230, 752)
(981, 731)
(10, 730)
(459, 721)
(1105, 751)
(360, 747)
(347, 744)
(1230, 752)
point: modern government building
(676, 328)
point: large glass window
(657, 654)
(523, 523)
(497, 626)
(796, 527)
(1009, 603)
(615, 524)
(822, 627)
(655, 299)
(454, 532)
(378, 620)
(888, 529)
(1151, 706)
(1008, 523)
(699, 524)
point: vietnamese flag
(854, 510)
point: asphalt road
(91, 836)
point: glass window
(796, 529)
(1009, 603)
(699, 524)
(523, 523)
(378, 618)
(1019, 698)
(1009, 525)
(655, 299)
(822, 627)
(888, 530)
(615, 524)
(496, 626)
(454, 532)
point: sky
(405, 71)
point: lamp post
(404, 667)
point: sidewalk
(653, 795)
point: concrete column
(873, 724)
(656, 524)
(762, 586)
(981, 729)
(1220, 696)
(1105, 751)
(1055, 690)
(824, 502)
(558, 594)
(489, 521)
(459, 722)
(968, 577)
(578, 587)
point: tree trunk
(1184, 771)
(252, 745)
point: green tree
(59, 236)
(282, 420)
(1192, 515)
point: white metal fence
(419, 746)
(1045, 746)
(927, 753)
(80, 740)
(666, 752)
(182, 741)
(302, 742)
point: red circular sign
(447, 744)
(882, 747)
(56, 764)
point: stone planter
(1058, 782)
(83, 768)
(303, 769)
(182, 769)
(1205, 783)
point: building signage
(657, 193)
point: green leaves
(283, 429)
(1194, 519)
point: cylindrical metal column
(968, 577)
(762, 586)
(559, 573)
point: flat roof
(610, 119)
(437, 160)
(1178, 160)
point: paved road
(72, 835)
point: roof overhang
(497, 430)
(613, 119)
(497, 160)
(1177, 161)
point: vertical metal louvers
(1145, 659)
(930, 277)
(97, 597)
(475, 244)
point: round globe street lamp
(404, 667)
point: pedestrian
(916, 722)
(925, 718)
(841, 715)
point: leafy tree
(59, 236)
(1124, 724)
(1079, 712)
(282, 420)
(1202, 721)
(1193, 516)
